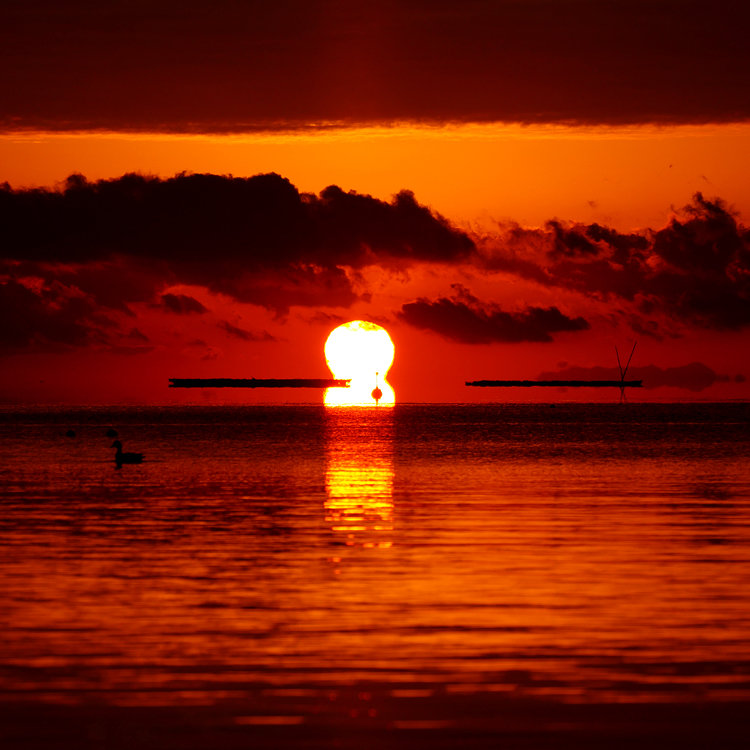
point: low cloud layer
(463, 318)
(196, 222)
(244, 335)
(181, 304)
(695, 271)
(52, 317)
(99, 247)
(231, 66)
(75, 262)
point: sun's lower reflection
(359, 475)
(359, 393)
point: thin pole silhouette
(623, 372)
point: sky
(512, 188)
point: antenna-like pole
(632, 351)
(624, 371)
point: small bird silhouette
(111, 432)
(126, 458)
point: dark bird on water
(70, 433)
(126, 458)
(111, 432)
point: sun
(362, 352)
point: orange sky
(476, 176)
(559, 207)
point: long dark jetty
(556, 383)
(257, 383)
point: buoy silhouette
(377, 394)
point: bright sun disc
(362, 352)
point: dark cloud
(75, 259)
(696, 270)
(112, 282)
(182, 304)
(196, 220)
(326, 319)
(279, 289)
(257, 240)
(241, 333)
(235, 66)
(568, 242)
(463, 318)
(50, 316)
(695, 376)
(137, 335)
(358, 230)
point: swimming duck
(126, 458)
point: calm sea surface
(296, 564)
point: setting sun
(362, 352)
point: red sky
(510, 188)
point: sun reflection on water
(359, 475)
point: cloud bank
(694, 271)
(77, 260)
(182, 304)
(72, 257)
(463, 318)
(234, 66)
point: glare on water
(359, 475)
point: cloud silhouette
(656, 61)
(182, 304)
(198, 220)
(257, 240)
(76, 259)
(241, 333)
(48, 316)
(463, 318)
(696, 270)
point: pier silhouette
(258, 383)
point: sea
(422, 575)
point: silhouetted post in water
(377, 394)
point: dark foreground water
(436, 576)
